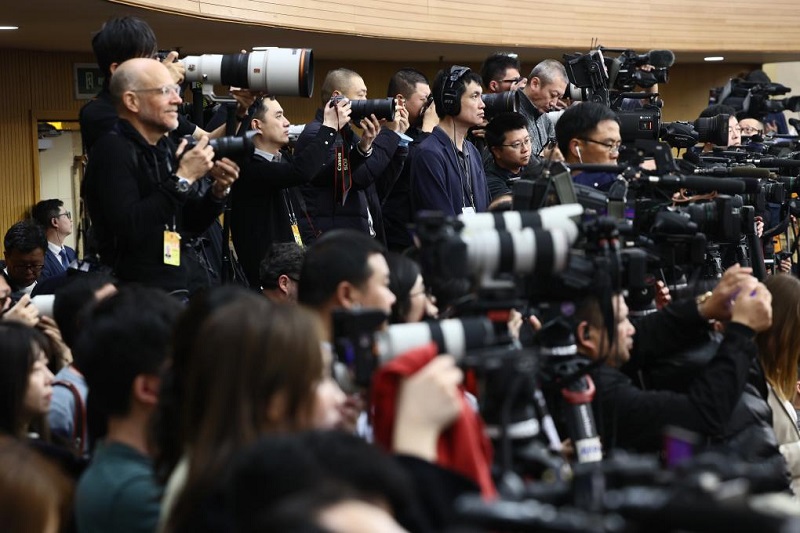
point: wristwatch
(182, 184)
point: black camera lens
(382, 108)
(496, 103)
(713, 130)
(232, 147)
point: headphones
(452, 90)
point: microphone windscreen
(749, 172)
(723, 185)
(661, 58)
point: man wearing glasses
(500, 73)
(57, 224)
(509, 142)
(589, 133)
(25, 246)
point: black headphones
(452, 90)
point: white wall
(59, 176)
(787, 74)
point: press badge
(297, 238)
(172, 248)
(468, 210)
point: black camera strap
(343, 179)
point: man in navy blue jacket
(447, 171)
(57, 224)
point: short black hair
(45, 211)
(438, 87)
(339, 255)
(282, 258)
(403, 272)
(405, 82)
(717, 109)
(72, 298)
(579, 120)
(25, 236)
(494, 67)
(120, 39)
(503, 123)
(125, 335)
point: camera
(753, 99)
(276, 71)
(382, 108)
(232, 147)
(496, 103)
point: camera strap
(343, 179)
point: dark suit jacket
(52, 264)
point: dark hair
(461, 87)
(120, 39)
(31, 488)
(405, 82)
(167, 434)
(125, 335)
(45, 211)
(503, 123)
(494, 67)
(403, 274)
(25, 236)
(579, 120)
(17, 356)
(717, 109)
(260, 106)
(282, 258)
(339, 255)
(249, 352)
(72, 298)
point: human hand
(224, 172)
(49, 327)
(753, 306)
(370, 126)
(759, 226)
(244, 99)
(478, 133)
(771, 127)
(176, 68)
(23, 312)
(194, 163)
(337, 115)
(785, 265)
(717, 306)
(662, 297)
(429, 118)
(514, 323)
(400, 122)
(428, 402)
(350, 411)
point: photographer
(266, 203)
(632, 418)
(137, 185)
(547, 83)
(589, 133)
(509, 143)
(343, 193)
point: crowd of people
(144, 390)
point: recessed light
(713, 58)
(9, 27)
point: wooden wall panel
(681, 25)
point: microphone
(735, 172)
(726, 186)
(658, 58)
(778, 162)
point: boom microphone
(729, 186)
(658, 58)
(735, 172)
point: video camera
(754, 99)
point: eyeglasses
(526, 142)
(64, 214)
(164, 90)
(750, 130)
(513, 80)
(736, 129)
(611, 147)
(31, 268)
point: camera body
(232, 147)
(382, 108)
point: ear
(575, 149)
(586, 344)
(337, 93)
(275, 414)
(113, 67)
(534, 82)
(493, 85)
(130, 101)
(798, 388)
(254, 126)
(283, 283)
(54, 222)
(495, 150)
(346, 295)
(145, 389)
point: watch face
(182, 184)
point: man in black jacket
(629, 417)
(137, 187)
(266, 203)
(344, 194)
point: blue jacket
(52, 264)
(437, 182)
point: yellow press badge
(297, 238)
(172, 248)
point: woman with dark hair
(26, 384)
(413, 302)
(257, 368)
(779, 354)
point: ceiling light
(713, 58)
(9, 27)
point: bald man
(139, 189)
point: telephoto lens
(382, 108)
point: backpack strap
(78, 416)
